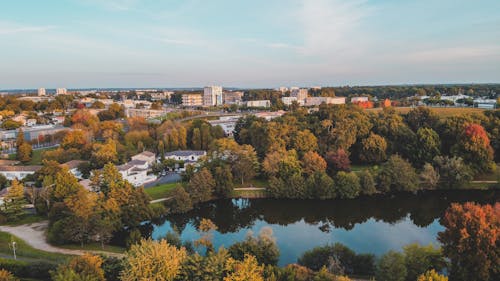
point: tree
(153, 260)
(320, 186)
(14, 201)
(453, 172)
(474, 147)
(196, 139)
(24, 152)
(65, 185)
(419, 259)
(470, 240)
(80, 268)
(421, 117)
(391, 267)
(429, 177)
(397, 175)
(313, 162)
(338, 161)
(104, 153)
(373, 149)
(7, 276)
(432, 275)
(74, 139)
(180, 201)
(304, 141)
(428, 146)
(271, 164)
(206, 229)
(245, 163)
(367, 183)
(3, 182)
(201, 186)
(82, 205)
(263, 247)
(248, 269)
(347, 185)
(223, 181)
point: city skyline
(146, 44)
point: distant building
(192, 100)
(212, 96)
(232, 97)
(282, 89)
(316, 101)
(73, 167)
(300, 94)
(270, 115)
(144, 113)
(485, 103)
(18, 172)
(227, 123)
(147, 156)
(185, 155)
(30, 122)
(288, 100)
(31, 133)
(61, 91)
(259, 103)
(386, 103)
(41, 92)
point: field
(441, 111)
(36, 157)
(160, 191)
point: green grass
(94, 247)
(160, 191)
(27, 219)
(249, 194)
(26, 251)
(36, 157)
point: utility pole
(12, 245)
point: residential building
(485, 103)
(30, 122)
(136, 172)
(41, 92)
(31, 133)
(185, 155)
(161, 95)
(227, 123)
(270, 115)
(73, 167)
(61, 91)
(18, 172)
(282, 89)
(212, 96)
(146, 156)
(288, 100)
(144, 113)
(232, 97)
(316, 101)
(259, 103)
(300, 94)
(192, 100)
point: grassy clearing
(160, 191)
(36, 157)
(26, 251)
(27, 219)
(94, 247)
(249, 194)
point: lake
(373, 224)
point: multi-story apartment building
(192, 100)
(41, 92)
(232, 97)
(300, 94)
(61, 91)
(212, 96)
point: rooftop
(186, 153)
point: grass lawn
(94, 247)
(26, 251)
(249, 194)
(160, 191)
(36, 157)
(27, 219)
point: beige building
(232, 97)
(315, 101)
(192, 100)
(212, 96)
(259, 103)
(41, 92)
(61, 91)
(144, 113)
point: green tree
(201, 186)
(223, 181)
(263, 248)
(421, 117)
(419, 259)
(24, 152)
(196, 139)
(320, 186)
(428, 146)
(391, 267)
(429, 177)
(367, 183)
(453, 172)
(373, 149)
(347, 185)
(14, 201)
(180, 201)
(397, 175)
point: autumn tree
(85, 267)
(82, 205)
(474, 147)
(153, 260)
(338, 161)
(397, 175)
(24, 152)
(7, 276)
(104, 153)
(373, 149)
(470, 240)
(180, 201)
(313, 162)
(304, 141)
(432, 275)
(201, 186)
(14, 201)
(74, 139)
(263, 247)
(419, 259)
(248, 269)
(347, 185)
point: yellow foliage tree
(14, 201)
(7, 276)
(432, 275)
(153, 260)
(245, 270)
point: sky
(258, 43)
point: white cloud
(329, 25)
(453, 54)
(7, 28)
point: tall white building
(41, 92)
(212, 96)
(61, 91)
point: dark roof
(186, 153)
(146, 153)
(19, 168)
(137, 162)
(5, 162)
(73, 163)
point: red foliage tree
(477, 134)
(338, 161)
(471, 241)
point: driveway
(169, 178)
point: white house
(18, 172)
(147, 156)
(136, 172)
(73, 167)
(185, 155)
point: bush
(38, 270)
(391, 267)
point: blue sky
(259, 43)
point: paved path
(159, 200)
(250, 188)
(34, 235)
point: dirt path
(34, 235)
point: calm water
(366, 225)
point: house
(146, 156)
(185, 155)
(136, 172)
(73, 167)
(18, 172)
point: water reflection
(369, 224)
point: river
(373, 224)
